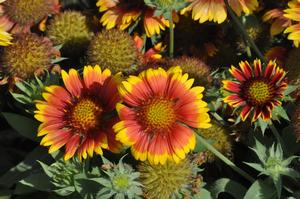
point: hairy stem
(244, 33)
(212, 149)
(171, 49)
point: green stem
(171, 49)
(245, 34)
(277, 135)
(224, 159)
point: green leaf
(25, 126)
(203, 194)
(260, 151)
(291, 173)
(59, 59)
(229, 186)
(290, 89)
(24, 168)
(256, 166)
(102, 181)
(66, 191)
(279, 112)
(5, 194)
(262, 125)
(37, 181)
(260, 190)
(22, 98)
(85, 187)
(24, 87)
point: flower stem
(277, 135)
(243, 31)
(223, 158)
(171, 49)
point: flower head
(292, 65)
(28, 55)
(79, 115)
(27, 13)
(279, 21)
(274, 164)
(220, 140)
(121, 180)
(159, 106)
(62, 173)
(215, 10)
(71, 30)
(123, 13)
(113, 49)
(196, 68)
(165, 181)
(255, 90)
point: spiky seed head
(27, 12)
(113, 49)
(28, 54)
(163, 181)
(71, 30)
(195, 67)
(292, 66)
(220, 140)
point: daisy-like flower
(278, 19)
(255, 90)
(79, 115)
(158, 108)
(293, 13)
(215, 10)
(123, 13)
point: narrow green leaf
(255, 166)
(25, 126)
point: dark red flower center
(85, 115)
(258, 92)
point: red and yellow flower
(293, 13)
(255, 90)
(152, 54)
(158, 109)
(78, 116)
(215, 10)
(123, 13)
(278, 19)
